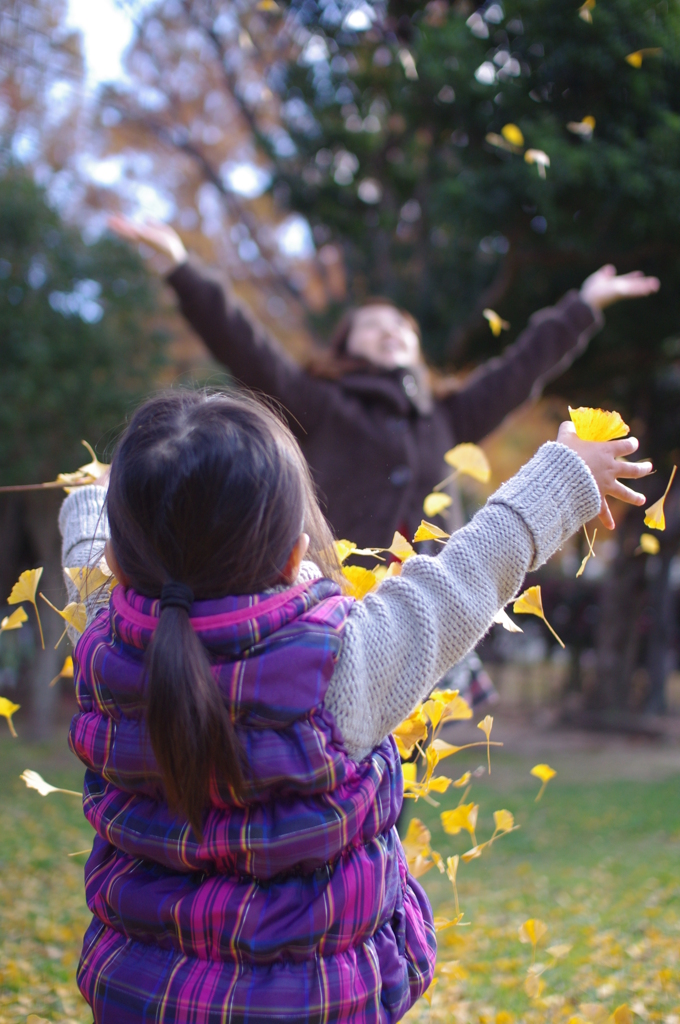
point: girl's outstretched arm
(400, 640)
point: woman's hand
(160, 237)
(605, 460)
(605, 286)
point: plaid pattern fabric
(297, 905)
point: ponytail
(189, 726)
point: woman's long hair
(210, 491)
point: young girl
(236, 711)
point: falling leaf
(66, 671)
(439, 785)
(7, 709)
(443, 749)
(470, 460)
(649, 545)
(545, 773)
(386, 572)
(462, 817)
(442, 923)
(268, 6)
(400, 548)
(74, 614)
(559, 951)
(473, 854)
(454, 969)
(457, 710)
(428, 531)
(538, 157)
(24, 590)
(486, 725)
(87, 474)
(416, 844)
(500, 143)
(434, 709)
(88, 580)
(35, 781)
(14, 621)
(531, 603)
(503, 820)
(435, 504)
(635, 59)
(409, 732)
(512, 134)
(496, 323)
(532, 931)
(590, 554)
(343, 548)
(462, 781)
(655, 518)
(584, 128)
(359, 581)
(598, 424)
(501, 618)
(584, 11)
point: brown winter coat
(375, 440)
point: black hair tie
(177, 595)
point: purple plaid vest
(296, 906)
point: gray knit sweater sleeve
(401, 639)
(84, 530)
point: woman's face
(384, 337)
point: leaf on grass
(538, 157)
(622, 1015)
(66, 671)
(649, 545)
(584, 128)
(545, 773)
(560, 951)
(462, 817)
(635, 60)
(434, 505)
(532, 931)
(654, 515)
(470, 460)
(591, 553)
(14, 621)
(24, 590)
(400, 548)
(35, 781)
(7, 709)
(501, 618)
(598, 424)
(531, 603)
(496, 322)
(428, 531)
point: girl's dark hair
(335, 362)
(210, 491)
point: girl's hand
(604, 286)
(160, 237)
(605, 460)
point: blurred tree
(77, 350)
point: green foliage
(462, 224)
(76, 347)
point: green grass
(598, 862)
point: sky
(106, 31)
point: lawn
(597, 861)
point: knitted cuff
(82, 517)
(555, 494)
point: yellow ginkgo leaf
(501, 618)
(386, 572)
(584, 11)
(512, 134)
(409, 732)
(7, 709)
(473, 854)
(486, 725)
(470, 460)
(532, 931)
(538, 157)
(494, 139)
(598, 424)
(66, 671)
(417, 839)
(435, 504)
(496, 323)
(35, 781)
(636, 58)
(655, 517)
(457, 710)
(268, 6)
(590, 553)
(503, 820)
(358, 581)
(88, 580)
(584, 128)
(443, 749)
(434, 709)
(649, 544)
(462, 817)
(531, 603)
(428, 531)
(462, 781)
(14, 621)
(622, 1015)
(442, 923)
(400, 548)
(87, 474)
(559, 951)
(75, 613)
(533, 986)
(440, 784)
(545, 773)
(24, 590)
